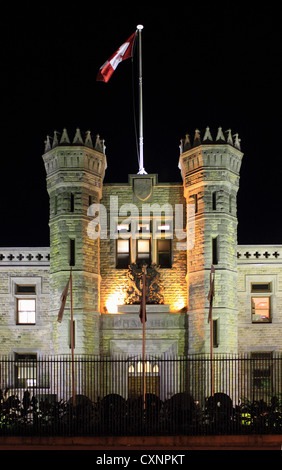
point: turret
(75, 170)
(210, 171)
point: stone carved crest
(154, 286)
(142, 188)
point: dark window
(164, 253)
(215, 333)
(72, 252)
(195, 198)
(72, 202)
(25, 289)
(261, 287)
(123, 254)
(214, 201)
(215, 250)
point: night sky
(215, 65)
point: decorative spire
(77, 138)
(229, 137)
(220, 135)
(207, 136)
(55, 139)
(47, 144)
(186, 143)
(65, 138)
(88, 140)
(100, 144)
(197, 138)
(237, 141)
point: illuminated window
(26, 311)
(148, 367)
(164, 253)
(123, 254)
(25, 370)
(260, 309)
(143, 251)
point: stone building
(98, 230)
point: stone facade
(247, 309)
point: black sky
(203, 66)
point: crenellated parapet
(211, 161)
(222, 137)
(63, 139)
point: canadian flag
(123, 53)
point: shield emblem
(142, 188)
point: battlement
(62, 139)
(222, 137)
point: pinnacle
(222, 137)
(63, 139)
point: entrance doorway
(136, 379)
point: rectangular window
(214, 201)
(143, 251)
(215, 251)
(261, 287)
(194, 197)
(25, 370)
(20, 289)
(26, 311)
(72, 252)
(164, 253)
(72, 202)
(123, 254)
(215, 333)
(260, 309)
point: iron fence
(131, 396)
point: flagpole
(211, 348)
(210, 319)
(144, 322)
(72, 343)
(141, 139)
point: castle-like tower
(75, 171)
(210, 171)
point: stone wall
(25, 266)
(259, 264)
